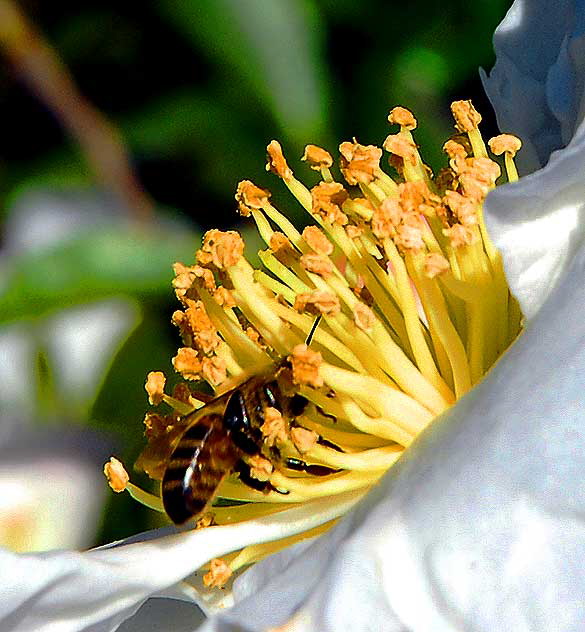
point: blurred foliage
(198, 88)
(90, 267)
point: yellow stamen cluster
(412, 297)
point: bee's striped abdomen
(201, 459)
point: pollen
(260, 468)
(359, 163)
(317, 264)
(403, 117)
(317, 240)
(303, 439)
(401, 146)
(317, 302)
(206, 519)
(187, 363)
(155, 425)
(218, 575)
(435, 264)
(455, 150)
(317, 158)
(204, 333)
(505, 143)
(386, 217)
(281, 245)
(276, 161)
(363, 316)
(116, 474)
(328, 198)
(224, 297)
(155, 387)
(249, 196)
(460, 236)
(274, 427)
(467, 118)
(305, 366)
(214, 369)
(222, 249)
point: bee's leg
(328, 415)
(328, 444)
(301, 466)
(298, 405)
(243, 471)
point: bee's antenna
(313, 328)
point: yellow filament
(263, 226)
(510, 167)
(181, 407)
(274, 286)
(477, 144)
(256, 552)
(348, 441)
(332, 344)
(377, 426)
(145, 498)
(247, 351)
(288, 277)
(436, 311)
(317, 487)
(422, 354)
(386, 401)
(326, 174)
(374, 459)
(284, 224)
(258, 312)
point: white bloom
(479, 526)
(537, 88)
(537, 83)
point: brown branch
(41, 69)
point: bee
(219, 437)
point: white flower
(537, 88)
(478, 527)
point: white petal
(538, 223)
(157, 615)
(537, 83)
(97, 590)
(481, 526)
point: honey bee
(217, 439)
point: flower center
(414, 310)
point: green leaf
(276, 50)
(103, 263)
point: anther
(155, 387)
(277, 162)
(317, 158)
(505, 143)
(116, 474)
(402, 117)
(467, 118)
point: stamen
(509, 146)
(414, 310)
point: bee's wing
(154, 457)
(204, 455)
